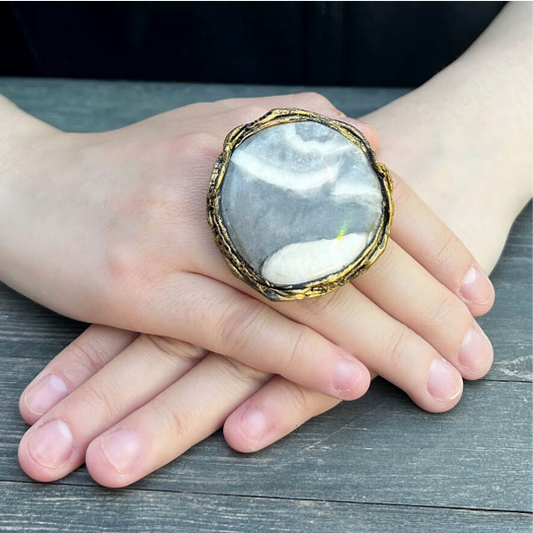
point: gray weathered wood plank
(381, 449)
(27, 508)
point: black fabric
(318, 43)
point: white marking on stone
(348, 187)
(282, 177)
(307, 261)
(336, 143)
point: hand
(140, 292)
(453, 127)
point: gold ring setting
(299, 204)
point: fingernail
(254, 423)
(346, 376)
(51, 444)
(45, 393)
(444, 382)
(122, 448)
(476, 351)
(476, 287)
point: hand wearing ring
(141, 257)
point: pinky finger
(72, 367)
(273, 412)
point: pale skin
(110, 228)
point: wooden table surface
(376, 465)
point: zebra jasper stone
(300, 202)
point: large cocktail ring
(299, 204)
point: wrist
(463, 139)
(16, 124)
(475, 115)
(29, 151)
(21, 136)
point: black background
(318, 43)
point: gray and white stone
(300, 202)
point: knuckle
(249, 113)
(328, 305)
(202, 146)
(385, 267)
(315, 101)
(98, 399)
(443, 251)
(172, 349)
(299, 348)
(129, 277)
(238, 371)
(122, 261)
(198, 108)
(302, 400)
(177, 423)
(448, 312)
(396, 346)
(89, 355)
(193, 156)
(236, 326)
(229, 104)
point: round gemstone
(300, 202)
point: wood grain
(33, 508)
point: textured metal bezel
(238, 265)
